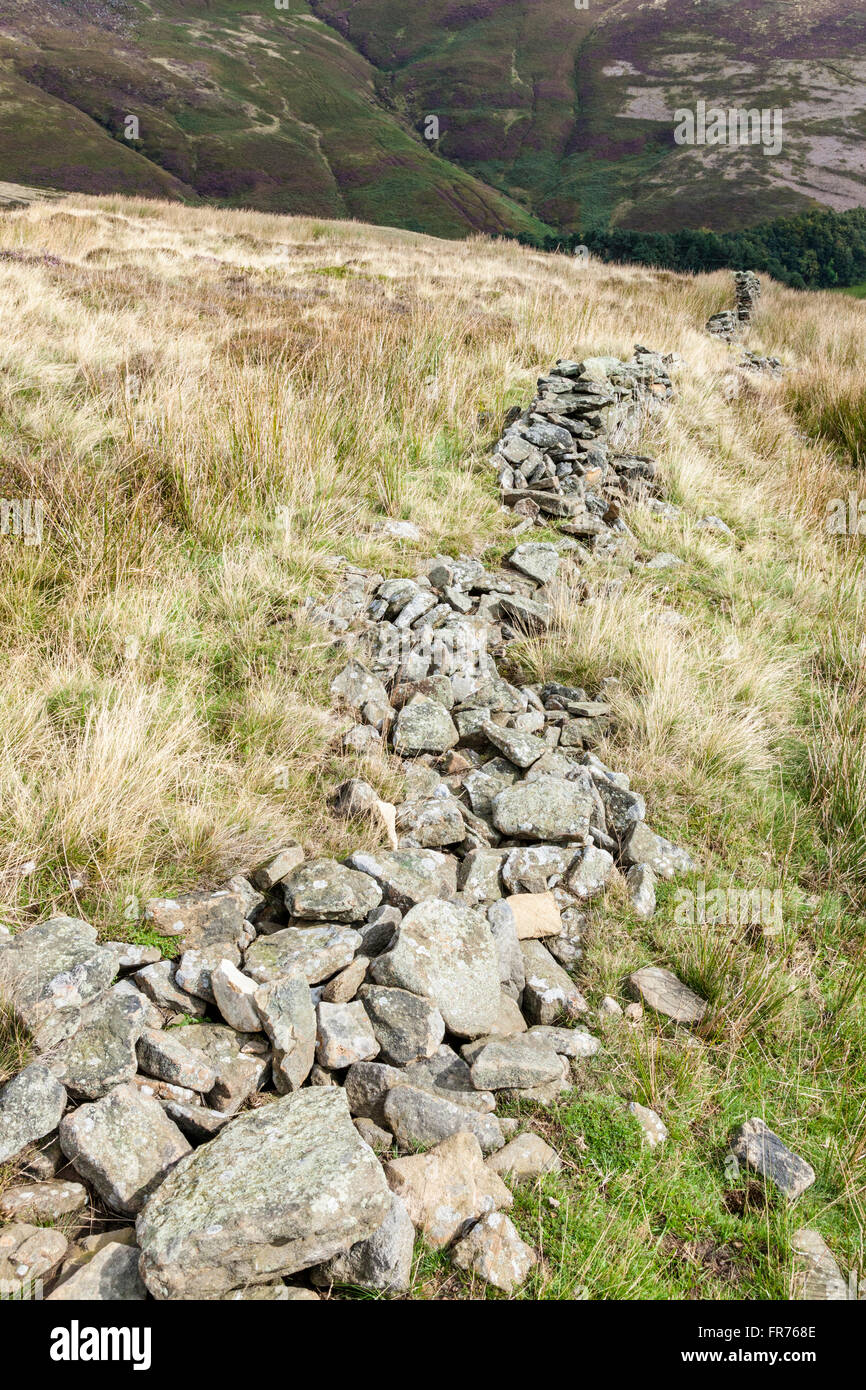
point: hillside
(221, 417)
(550, 117)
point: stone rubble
(336, 1017)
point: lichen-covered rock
(28, 1253)
(514, 1063)
(201, 919)
(49, 972)
(234, 997)
(344, 1035)
(285, 1008)
(325, 891)
(494, 1251)
(589, 873)
(31, 1106)
(548, 809)
(406, 1026)
(447, 1187)
(654, 1128)
(641, 884)
(642, 846)
(123, 1145)
(157, 982)
(316, 951)
(42, 1201)
(445, 952)
(409, 876)
(284, 1187)
(240, 1061)
(423, 726)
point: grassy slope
(248, 106)
(211, 405)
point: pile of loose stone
(730, 323)
(351, 1030)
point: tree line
(818, 249)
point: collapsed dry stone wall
(351, 1029)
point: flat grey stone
(661, 990)
(538, 560)
(642, 846)
(193, 972)
(166, 1056)
(764, 1152)
(28, 1253)
(519, 748)
(123, 1145)
(42, 1201)
(641, 884)
(417, 1118)
(409, 876)
(446, 953)
(31, 1106)
(514, 1063)
(316, 951)
(817, 1276)
(284, 1187)
(201, 918)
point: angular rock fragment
(446, 953)
(423, 726)
(49, 972)
(495, 1252)
(325, 891)
(45, 1202)
(123, 1145)
(344, 1035)
(409, 876)
(418, 1118)
(535, 915)
(165, 1055)
(28, 1253)
(549, 993)
(406, 1025)
(111, 1276)
(514, 1063)
(285, 1008)
(661, 990)
(549, 809)
(524, 1158)
(447, 1188)
(31, 1106)
(755, 1145)
(316, 951)
(382, 1261)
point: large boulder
(286, 1186)
(446, 953)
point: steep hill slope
(254, 106)
(548, 114)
